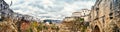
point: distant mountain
(52, 21)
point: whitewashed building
(67, 19)
(83, 13)
(76, 14)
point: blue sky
(49, 9)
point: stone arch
(96, 29)
(97, 23)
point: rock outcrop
(11, 21)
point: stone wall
(105, 14)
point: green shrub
(34, 24)
(40, 27)
(81, 19)
(29, 30)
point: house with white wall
(83, 13)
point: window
(111, 15)
(1, 6)
(97, 8)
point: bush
(53, 27)
(81, 19)
(34, 24)
(40, 27)
(30, 30)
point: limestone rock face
(11, 21)
(105, 16)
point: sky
(49, 9)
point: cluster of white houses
(83, 13)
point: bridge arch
(96, 29)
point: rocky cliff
(11, 21)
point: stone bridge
(104, 17)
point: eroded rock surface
(11, 21)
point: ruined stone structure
(105, 16)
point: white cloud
(55, 9)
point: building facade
(83, 13)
